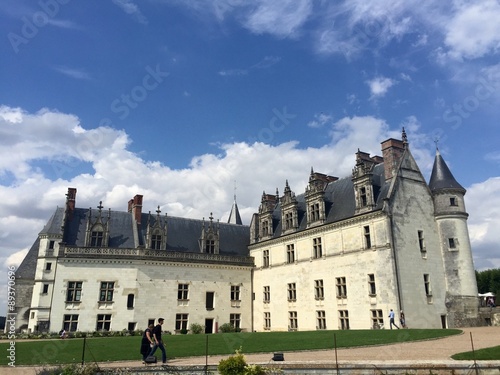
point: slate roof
(441, 176)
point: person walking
(158, 342)
(391, 319)
(402, 319)
(147, 342)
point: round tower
(451, 219)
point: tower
(451, 219)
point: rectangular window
(48, 266)
(130, 301)
(289, 220)
(314, 209)
(103, 322)
(45, 289)
(293, 324)
(368, 240)
(427, 285)
(156, 242)
(265, 258)
(377, 319)
(372, 290)
(320, 319)
(70, 323)
(181, 322)
(453, 201)
(132, 326)
(235, 320)
(421, 243)
(210, 300)
(290, 253)
(96, 238)
(51, 245)
(317, 248)
(362, 195)
(107, 289)
(182, 292)
(452, 243)
(341, 287)
(235, 293)
(318, 289)
(265, 228)
(74, 291)
(267, 294)
(210, 246)
(267, 320)
(344, 319)
(292, 292)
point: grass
(57, 351)
(487, 354)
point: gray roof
(441, 176)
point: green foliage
(73, 369)
(226, 327)
(488, 281)
(196, 328)
(234, 365)
(487, 354)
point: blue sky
(189, 102)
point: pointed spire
(234, 216)
(441, 176)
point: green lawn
(487, 354)
(57, 351)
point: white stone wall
(154, 285)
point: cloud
(72, 72)
(129, 7)
(233, 72)
(265, 63)
(319, 120)
(379, 86)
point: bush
(237, 365)
(226, 327)
(196, 328)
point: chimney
(392, 150)
(70, 203)
(136, 208)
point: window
(421, 243)
(265, 228)
(341, 287)
(453, 201)
(235, 293)
(130, 301)
(74, 291)
(288, 220)
(96, 237)
(427, 285)
(267, 294)
(317, 249)
(290, 253)
(70, 323)
(320, 319)
(265, 258)
(377, 318)
(362, 195)
(156, 241)
(314, 209)
(132, 326)
(452, 243)
(103, 322)
(181, 322)
(267, 320)
(209, 301)
(107, 288)
(368, 241)
(372, 290)
(182, 292)
(292, 321)
(235, 320)
(344, 319)
(51, 245)
(292, 292)
(210, 246)
(45, 289)
(48, 267)
(318, 289)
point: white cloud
(320, 120)
(72, 72)
(129, 7)
(379, 86)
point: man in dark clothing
(158, 343)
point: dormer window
(156, 232)
(97, 228)
(209, 240)
(314, 211)
(210, 246)
(96, 236)
(362, 196)
(156, 241)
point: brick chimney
(135, 207)
(392, 150)
(70, 203)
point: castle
(340, 255)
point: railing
(164, 255)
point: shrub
(226, 327)
(184, 331)
(196, 328)
(234, 365)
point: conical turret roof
(441, 176)
(234, 216)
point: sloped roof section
(441, 176)
(234, 216)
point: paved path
(421, 352)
